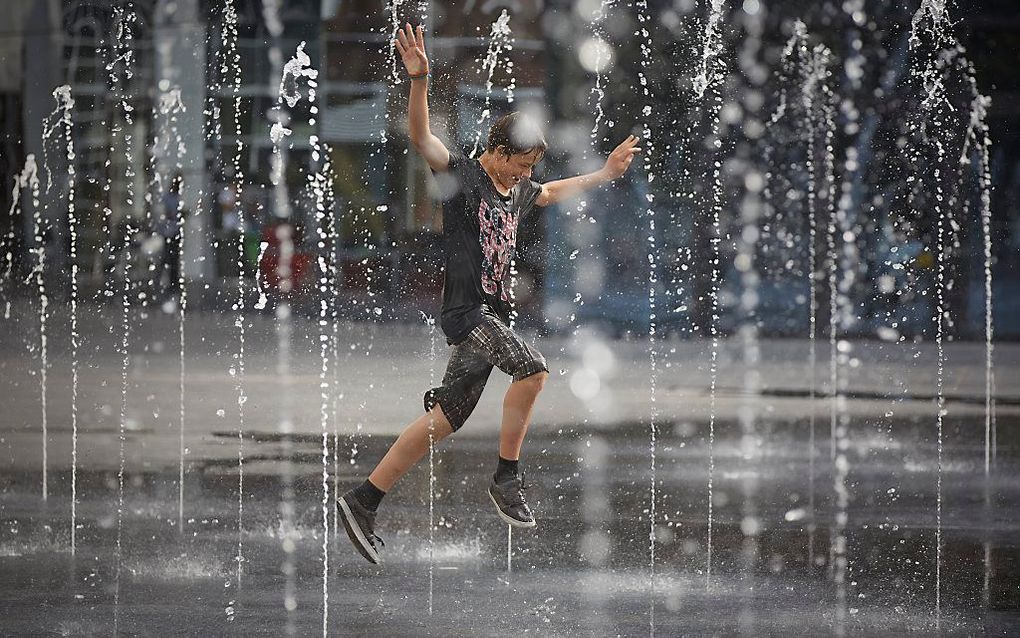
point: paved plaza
(585, 570)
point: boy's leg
(517, 406)
(511, 354)
(507, 487)
(447, 407)
(410, 447)
(358, 506)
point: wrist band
(418, 77)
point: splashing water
(930, 37)
(942, 312)
(598, 90)
(808, 67)
(977, 136)
(171, 106)
(29, 178)
(67, 104)
(750, 207)
(647, 152)
(181, 283)
(829, 168)
(833, 267)
(230, 61)
(953, 59)
(842, 468)
(500, 42)
(334, 276)
(838, 420)
(289, 93)
(168, 107)
(318, 184)
(300, 66)
(708, 81)
(287, 532)
(841, 303)
(324, 406)
(710, 73)
(931, 17)
(334, 407)
(8, 240)
(977, 141)
(333, 279)
(817, 100)
(597, 95)
(431, 323)
(389, 49)
(52, 123)
(121, 436)
(123, 45)
(986, 227)
(393, 8)
(263, 299)
(40, 279)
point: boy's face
(514, 168)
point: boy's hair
(516, 133)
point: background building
(176, 72)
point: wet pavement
(585, 571)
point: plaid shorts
(490, 343)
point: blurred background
(388, 229)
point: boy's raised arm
(411, 46)
(616, 165)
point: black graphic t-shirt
(479, 239)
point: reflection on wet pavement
(585, 569)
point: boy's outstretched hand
(621, 157)
(616, 165)
(411, 46)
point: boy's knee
(535, 382)
(438, 423)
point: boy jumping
(484, 201)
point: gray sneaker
(359, 522)
(508, 497)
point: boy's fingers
(401, 38)
(400, 47)
(421, 37)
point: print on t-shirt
(497, 234)
(477, 259)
